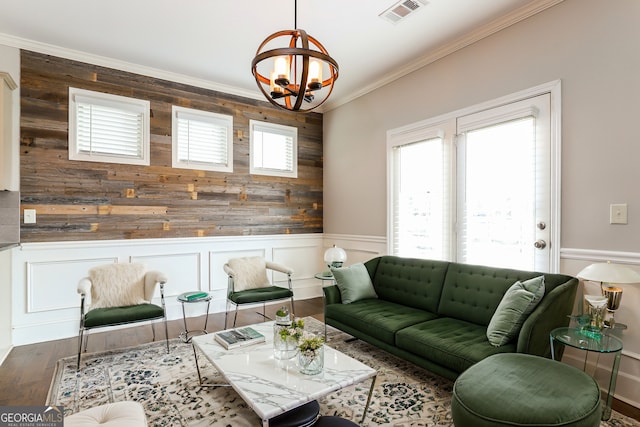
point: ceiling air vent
(402, 9)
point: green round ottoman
(515, 389)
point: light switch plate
(618, 213)
(29, 216)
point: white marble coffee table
(272, 387)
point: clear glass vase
(596, 306)
(284, 348)
(311, 362)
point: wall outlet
(29, 216)
(618, 213)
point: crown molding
(103, 61)
(474, 36)
(477, 34)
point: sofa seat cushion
(377, 318)
(452, 343)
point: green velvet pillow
(517, 303)
(354, 283)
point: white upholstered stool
(118, 414)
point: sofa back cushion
(411, 282)
(473, 292)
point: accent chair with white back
(248, 283)
(118, 294)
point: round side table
(190, 298)
(590, 342)
(325, 275)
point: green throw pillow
(354, 283)
(517, 303)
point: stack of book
(240, 337)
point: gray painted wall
(592, 46)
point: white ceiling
(211, 43)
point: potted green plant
(285, 339)
(310, 353)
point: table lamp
(609, 275)
(334, 257)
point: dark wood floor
(26, 373)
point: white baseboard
(4, 352)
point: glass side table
(325, 275)
(189, 298)
(589, 342)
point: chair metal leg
(80, 336)
(235, 317)
(293, 310)
(226, 313)
(166, 332)
(153, 330)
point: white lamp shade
(335, 256)
(609, 273)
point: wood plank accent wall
(77, 200)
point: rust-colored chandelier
(291, 77)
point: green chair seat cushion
(120, 315)
(260, 294)
(515, 389)
(452, 343)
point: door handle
(540, 244)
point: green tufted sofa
(435, 313)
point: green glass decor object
(597, 306)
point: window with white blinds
(420, 200)
(108, 128)
(479, 185)
(497, 209)
(274, 149)
(202, 140)
(421, 191)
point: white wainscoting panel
(44, 276)
(183, 271)
(48, 284)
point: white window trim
(207, 117)
(278, 129)
(414, 131)
(115, 101)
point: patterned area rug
(167, 386)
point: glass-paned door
(504, 186)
